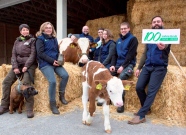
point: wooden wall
(8, 35)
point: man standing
(153, 63)
(126, 48)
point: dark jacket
(23, 52)
(47, 50)
(156, 57)
(87, 36)
(97, 39)
(126, 48)
(107, 52)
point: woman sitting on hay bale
(47, 54)
(24, 64)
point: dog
(17, 96)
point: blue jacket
(122, 48)
(47, 50)
(87, 36)
(104, 52)
(156, 57)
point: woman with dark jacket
(47, 55)
(107, 49)
(23, 63)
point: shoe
(62, 98)
(99, 104)
(136, 120)
(54, 108)
(120, 109)
(148, 113)
(3, 110)
(30, 114)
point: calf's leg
(84, 101)
(106, 118)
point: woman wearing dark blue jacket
(107, 50)
(47, 55)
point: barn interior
(169, 106)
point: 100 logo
(150, 36)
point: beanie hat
(23, 26)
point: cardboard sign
(165, 36)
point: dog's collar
(19, 88)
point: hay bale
(73, 89)
(140, 13)
(168, 107)
(112, 23)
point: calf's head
(114, 87)
(84, 46)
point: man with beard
(153, 63)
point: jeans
(153, 76)
(48, 72)
(125, 74)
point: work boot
(30, 114)
(53, 107)
(62, 98)
(99, 104)
(30, 106)
(3, 110)
(121, 109)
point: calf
(75, 52)
(98, 82)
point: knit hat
(23, 26)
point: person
(98, 40)
(47, 55)
(84, 34)
(107, 49)
(23, 64)
(126, 50)
(153, 63)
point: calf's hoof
(86, 123)
(108, 131)
(19, 112)
(10, 112)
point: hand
(120, 70)
(16, 71)
(90, 50)
(137, 73)
(112, 69)
(73, 38)
(55, 63)
(161, 46)
(24, 69)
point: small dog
(17, 96)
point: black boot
(53, 107)
(121, 109)
(62, 98)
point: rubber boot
(3, 110)
(53, 107)
(30, 106)
(62, 98)
(121, 109)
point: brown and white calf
(97, 82)
(75, 52)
